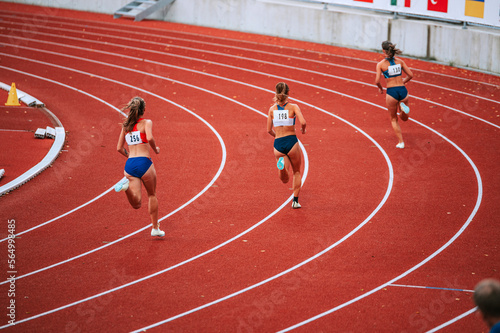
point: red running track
(387, 240)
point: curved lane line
(208, 186)
(306, 169)
(91, 96)
(320, 87)
(447, 140)
(459, 111)
(230, 66)
(191, 259)
(319, 254)
(233, 56)
(423, 262)
(162, 32)
(221, 167)
(454, 320)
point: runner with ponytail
(397, 95)
(138, 134)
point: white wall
(478, 48)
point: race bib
(133, 138)
(394, 70)
(280, 115)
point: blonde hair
(281, 93)
(137, 107)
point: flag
(407, 3)
(371, 1)
(438, 5)
(394, 2)
(474, 8)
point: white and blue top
(281, 117)
(393, 70)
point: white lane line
(162, 271)
(13, 130)
(221, 167)
(346, 237)
(129, 235)
(218, 77)
(423, 262)
(227, 66)
(239, 41)
(82, 92)
(319, 254)
(454, 320)
(236, 57)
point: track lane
(355, 69)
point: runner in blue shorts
(397, 94)
(138, 134)
(287, 151)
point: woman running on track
(138, 133)
(287, 151)
(397, 94)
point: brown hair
(137, 107)
(390, 49)
(281, 93)
(487, 297)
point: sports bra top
(135, 137)
(281, 117)
(393, 70)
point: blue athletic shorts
(137, 166)
(285, 144)
(398, 93)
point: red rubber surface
(433, 195)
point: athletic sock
(296, 199)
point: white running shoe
(404, 107)
(295, 205)
(2, 172)
(122, 185)
(400, 145)
(157, 232)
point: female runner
(138, 133)
(397, 94)
(287, 151)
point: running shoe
(400, 145)
(157, 232)
(281, 163)
(122, 185)
(2, 172)
(404, 107)
(295, 205)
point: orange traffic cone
(13, 100)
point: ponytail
(137, 107)
(390, 49)
(281, 93)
